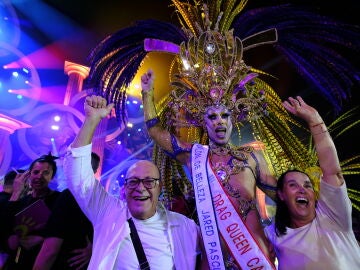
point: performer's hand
(96, 107)
(299, 108)
(147, 81)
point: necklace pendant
(222, 174)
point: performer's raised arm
(166, 140)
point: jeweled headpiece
(212, 72)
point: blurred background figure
(5, 194)
(23, 230)
(7, 187)
(69, 234)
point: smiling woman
(294, 189)
(306, 221)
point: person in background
(69, 234)
(313, 232)
(166, 240)
(5, 195)
(233, 171)
(7, 190)
(25, 236)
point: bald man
(169, 240)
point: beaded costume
(209, 69)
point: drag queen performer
(214, 93)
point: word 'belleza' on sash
(205, 208)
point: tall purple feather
(313, 43)
(115, 61)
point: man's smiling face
(40, 175)
(142, 201)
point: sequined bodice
(237, 162)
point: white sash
(205, 208)
(239, 240)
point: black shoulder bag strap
(144, 265)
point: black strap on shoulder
(144, 265)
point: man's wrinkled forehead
(143, 169)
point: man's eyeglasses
(148, 183)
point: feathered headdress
(212, 72)
(209, 49)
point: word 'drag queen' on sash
(217, 213)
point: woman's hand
(299, 108)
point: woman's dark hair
(282, 215)
(46, 159)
